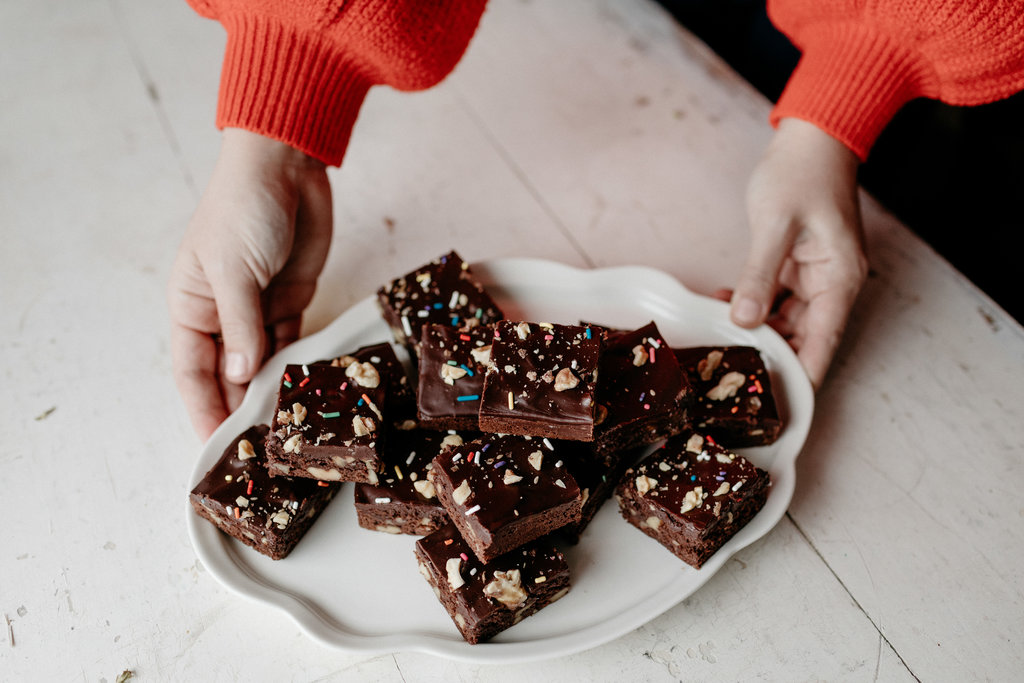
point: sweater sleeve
(862, 60)
(298, 70)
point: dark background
(951, 174)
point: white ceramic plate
(361, 591)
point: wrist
(253, 148)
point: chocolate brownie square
(504, 491)
(404, 501)
(485, 599)
(733, 400)
(328, 423)
(642, 393)
(541, 380)
(443, 291)
(692, 495)
(451, 375)
(269, 514)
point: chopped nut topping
(523, 330)
(535, 459)
(724, 458)
(727, 386)
(507, 588)
(242, 502)
(425, 488)
(452, 440)
(695, 444)
(363, 426)
(450, 373)
(298, 413)
(639, 355)
(281, 518)
(664, 466)
(343, 361)
(363, 374)
(293, 444)
(453, 567)
(566, 380)
(693, 499)
(707, 367)
(462, 494)
(245, 450)
(511, 477)
(645, 484)
(481, 354)
(722, 489)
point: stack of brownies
(499, 442)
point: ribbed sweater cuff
(850, 82)
(289, 85)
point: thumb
(754, 292)
(237, 297)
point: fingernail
(235, 366)
(746, 311)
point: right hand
(246, 269)
(807, 244)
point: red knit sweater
(298, 70)
(864, 59)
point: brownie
(451, 375)
(269, 514)
(504, 491)
(692, 495)
(401, 398)
(541, 380)
(642, 393)
(404, 501)
(485, 599)
(328, 422)
(733, 400)
(597, 476)
(443, 291)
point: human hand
(806, 261)
(245, 271)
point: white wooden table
(590, 132)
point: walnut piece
(450, 373)
(707, 366)
(523, 330)
(245, 450)
(639, 355)
(481, 354)
(511, 477)
(645, 484)
(462, 494)
(565, 380)
(363, 374)
(425, 488)
(363, 426)
(299, 413)
(451, 440)
(507, 588)
(293, 444)
(536, 458)
(453, 567)
(693, 499)
(695, 444)
(727, 386)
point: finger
(241, 322)
(820, 334)
(194, 357)
(722, 295)
(232, 393)
(755, 290)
